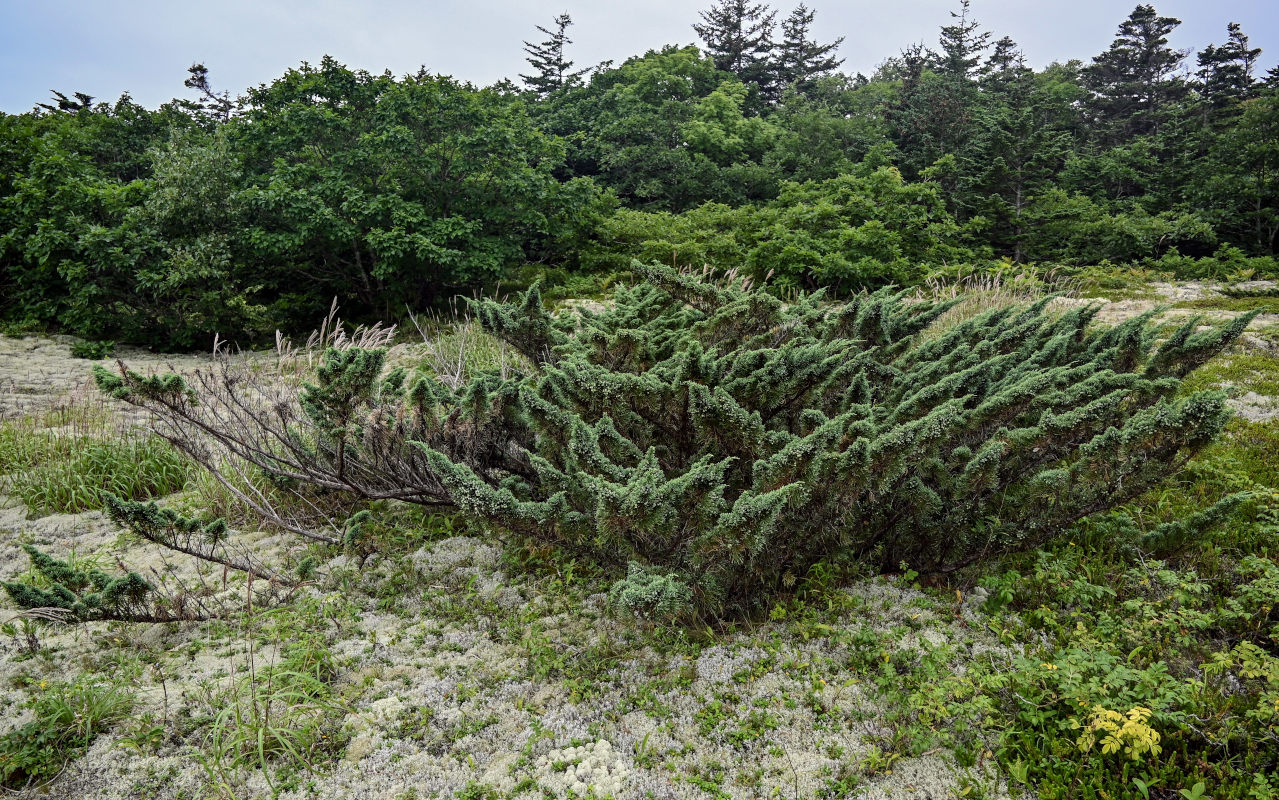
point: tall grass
(68, 459)
(980, 292)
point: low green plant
(92, 350)
(67, 718)
(1240, 293)
(83, 592)
(1261, 303)
(717, 444)
(282, 719)
(68, 465)
(137, 468)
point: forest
(241, 213)
(716, 424)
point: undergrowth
(67, 459)
(67, 717)
(52, 473)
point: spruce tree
(1226, 73)
(739, 38)
(1006, 62)
(712, 444)
(1013, 152)
(934, 114)
(1133, 82)
(962, 45)
(552, 70)
(800, 59)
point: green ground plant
(93, 350)
(66, 462)
(80, 474)
(717, 444)
(67, 717)
(1261, 303)
(1186, 631)
(282, 717)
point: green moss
(1267, 305)
(1246, 372)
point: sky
(106, 47)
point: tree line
(242, 214)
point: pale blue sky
(104, 47)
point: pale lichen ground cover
(441, 696)
(455, 673)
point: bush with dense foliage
(866, 228)
(165, 227)
(717, 443)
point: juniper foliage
(717, 443)
(85, 594)
(206, 540)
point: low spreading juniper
(713, 443)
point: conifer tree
(1226, 72)
(1006, 62)
(218, 105)
(82, 102)
(712, 444)
(962, 44)
(1013, 151)
(800, 59)
(933, 117)
(1133, 82)
(552, 69)
(739, 38)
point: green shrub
(867, 228)
(93, 351)
(68, 717)
(1227, 263)
(717, 444)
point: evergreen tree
(1133, 82)
(1006, 61)
(216, 104)
(1013, 153)
(800, 59)
(82, 102)
(938, 99)
(962, 45)
(552, 71)
(1226, 72)
(739, 38)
